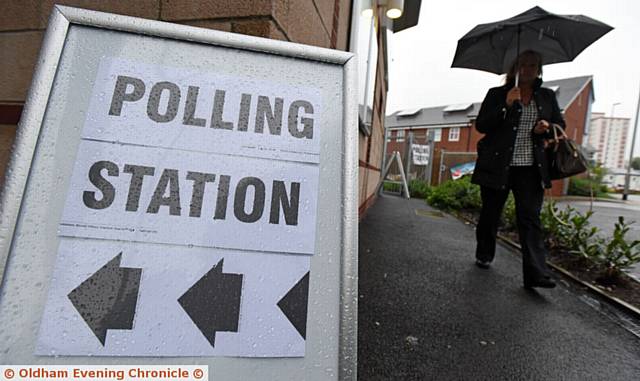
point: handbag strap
(554, 212)
(556, 128)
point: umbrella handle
(518, 57)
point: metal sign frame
(26, 143)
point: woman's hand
(513, 95)
(541, 127)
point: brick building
(455, 135)
(330, 24)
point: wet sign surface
(132, 299)
(189, 220)
(179, 195)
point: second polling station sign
(183, 192)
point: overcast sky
(420, 57)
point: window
(437, 134)
(454, 134)
(400, 135)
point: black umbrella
(494, 46)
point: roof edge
(589, 82)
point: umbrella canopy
(494, 46)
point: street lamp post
(627, 177)
(610, 122)
(613, 107)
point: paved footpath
(427, 313)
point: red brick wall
(575, 115)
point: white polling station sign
(191, 194)
(420, 154)
(139, 177)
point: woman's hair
(513, 69)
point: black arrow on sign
(213, 302)
(107, 299)
(294, 305)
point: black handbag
(564, 156)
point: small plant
(618, 254)
(587, 188)
(419, 188)
(589, 251)
(391, 187)
(591, 185)
(579, 232)
(555, 224)
(569, 229)
(509, 214)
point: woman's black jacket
(499, 123)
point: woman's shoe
(540, 282)
(483, 264)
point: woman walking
(516, 121)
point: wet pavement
(427, 313)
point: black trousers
(526, 185)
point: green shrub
(456, 195)
(419, 188)
(570, 230)
(589, 249)
(509, 214)
(584, 187)
(550, 218)
(555, 223)
(391, 187)
(618, 254)
(580, 238)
